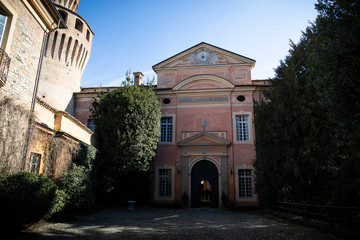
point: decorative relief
(181, 62)
(203, 99)
(167, 80)
(194, 57)
(192, 60)
(214, 58)
(219, 74)
(222, 59)
(239, 76)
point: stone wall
(24, 51)
(14, 123)
(67, 53)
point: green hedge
(26, 198)
(76, 184)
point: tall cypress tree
(306, 134)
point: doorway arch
(204, 171)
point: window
(79, 25)
(91, 124)
(6, 21)
(164, 182)
(245, 183)
(88, 35)
(63, 15)
(166, 100)
(166, 129)
(34, 162)
(3, 18)
(242, 128)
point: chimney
(138, 78)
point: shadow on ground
(159, 223)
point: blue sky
(137, 34)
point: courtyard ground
(161, 223)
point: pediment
(214, 56)
(204, 139)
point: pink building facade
(207, 145)
(206, 149)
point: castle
(206, 148)
(207, 145)
(45, 46)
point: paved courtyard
(160, 223)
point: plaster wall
(66, 123)
(44, 115)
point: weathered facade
(25, 25)
(32, 128)
(67, 53)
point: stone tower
(67, 53)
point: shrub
(76, 183)
(25, 198)
(60, 201)
(87, 156)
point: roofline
(153, 67)
(62, 8)
(56, 12)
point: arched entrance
(202, 172)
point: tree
(128, 128)
(308, 129)
(338, 65)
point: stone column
(185, 175)
(224, 175)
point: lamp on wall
(231, 168)
(177, 165)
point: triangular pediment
(204, 139)
(204, 54)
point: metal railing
(4, 66)
(337, 217)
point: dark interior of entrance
(204, 185)
(205, 193)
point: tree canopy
(307, 129)
(128, 127)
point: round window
(241, 98)
(166, 101)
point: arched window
(68, 49)
(79, 25)
(74, 51)
(61, 45)
(87, 35)
(64, 15)
(78, 56)
(54, 44)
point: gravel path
(159, 223)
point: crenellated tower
(67, 53)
